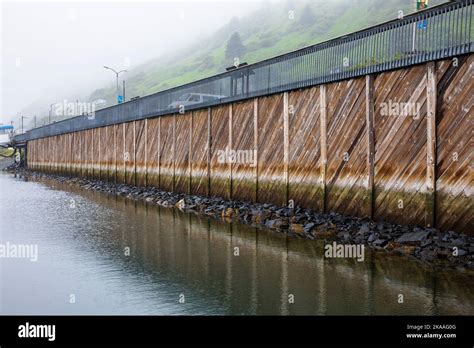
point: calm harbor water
(83, 265)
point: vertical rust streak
(255, 138)
(369, 105)
(286, 144)
(431, 144)
(324, 160)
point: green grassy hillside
(274, 29)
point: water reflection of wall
(195, 256)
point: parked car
(194, 98)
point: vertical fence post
(60, 153)
(91, 164)
(255, 145)
(324, 159)
(230, 149)
(25, 154)
(71, 154)
(124, 148)
(57, 153)
(190, 153)
(431, 144)
(173, 151)
(65, 159)
(369, 124)
(50, 155)
(54, 153)
(286, 145)
(45, 155)
(42, 167)
(134, 153)
(98, 166)
(159, 153)
(145, 136)
(105, 170)
(68, 154)
(80, 141)
(114, 154)
(209, 150)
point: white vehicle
(99, 102)
(194, 98)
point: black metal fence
(440, 32)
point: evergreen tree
(307, 17)
(235, 47)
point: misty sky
(52, 50)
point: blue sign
(119, 99)
(422, 24)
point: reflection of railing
(440, 32)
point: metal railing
(440, 32)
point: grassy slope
(265, 33)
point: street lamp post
(117, 77)
(22, 129)
(50, 112)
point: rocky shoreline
(427, 245)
